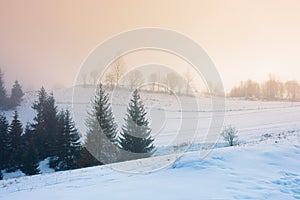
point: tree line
(272, 89)
(52, 135)
(15, 98)
(171, 82)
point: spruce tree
(45, 124)
(39, 125)
(135, 136)
(73, 142)
(16, 146)
(86, 159)
(67, 143)
(4, 141)
(16, 95)
(30, 160)
(101, 136)
(51, 125)
(3, 94)
(28, 136)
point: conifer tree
(102, 129)
(86, 159)
(67, 143)
(30, 160)
(4, 141)
(51, 125)
(39, 125)
(16, 95)
(16, 146)
(135, 136)
(28, 136)
(3, 94)
(73, 142)
(45, 124)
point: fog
(45, 43)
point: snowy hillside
(264, 166)
(267, 170)
(251, 118)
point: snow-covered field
(267, 170)
(265, 165)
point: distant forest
(270, 90)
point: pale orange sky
(45, 42)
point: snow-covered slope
(251, 118)
(267, 170)
(264, 166)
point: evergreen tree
(16, 146)
(45, 124)
(28, 136)
(102, 129)
(39, 125)
(86, 159)
(4, 141)
(3, 94)
(135, 136)
(73, 142)
(16, 95)
(1, 175)
(30, 160)
(67, 143)
(51, 125)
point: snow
(251, 118)
(267, 170)
(264, 165)
(11, 175)
(44, 167)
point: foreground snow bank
(267, 170)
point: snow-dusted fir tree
(101, 139)
(135, 136)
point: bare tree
(94, 76)
(153, 78)
(248, 89)
(251, 89)
(84, 78)
(175, 82)
(119, 69)
(229, 134)
(188, 80)
(110, 79)
(272, 88)
(292, 89)
(135, 78)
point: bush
(229, 134)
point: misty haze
(149, 99)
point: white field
(259, 168)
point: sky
(45, 42)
